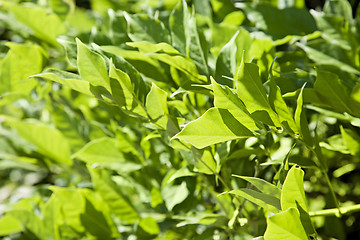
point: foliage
(179, 120)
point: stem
(335, 211)
(332, 192)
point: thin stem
(335, 211)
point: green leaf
(143, 63)
(167, 54)
(9, 225)
(293, 190)
(355, 100)
(103, 151)
(92, 66)
(285, 225)
(330, 89)
(225, 98)
(182, 172)
(262, 185)
(215, 126)
(118, 203)
(149, 225)
(67, 79)
(34, 17)
(174, 194)
(278, 104)
(156, 106)
(266, 201)
(324, 59)
(205, 163)
(94, 222)
(142, 27)
(49, 141)
(226, 62)
(301, 120)
(351, 140)
(21, 61)
(293, 196)
(186, 37)
(250, 90)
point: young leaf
(292, 192)
(156, 106)
(266, 201)
(226, 62)
(9, 225)
(49, 141)
(119, 205)
(226, 99)
(216, 125)
(301, 121)
(278, 104)
(34, 17)
(174, 194)
(92, 66)
(285, 225)
(324, 59)
(102, 151)
(329, 88)
(67, 79)
(293, 196)
(186, 37)
(142, 27)
(262, 185)
(351, 140)
(251, 91)
(21, 61)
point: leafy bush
(179, 120)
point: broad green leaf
(206, 163)
(292, 192)
(250, 90)
(156, 106)
(324, 59)
(142, 27)
(118, 203)
(166, 54)
(124, 93)
(67, 79)
(92, 66)
(281, 22)
(215, 126)
(21, 61)
(226, 62)
(49, 141)
(9, 225)
(329, 88)
(174, 194)
(225, 98)
(351, 140)
(149, 225)
(278, 104)
(186, 37)
(182, 172)
(355, 100)
(262, 185)
(62, 8)
(70, 47)
(266, 201)
(94, 222)
(72, 204)
(301, 121)
(44, 25)
(285, 225)
(103, 151)
(143, 63)
(293, 196)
